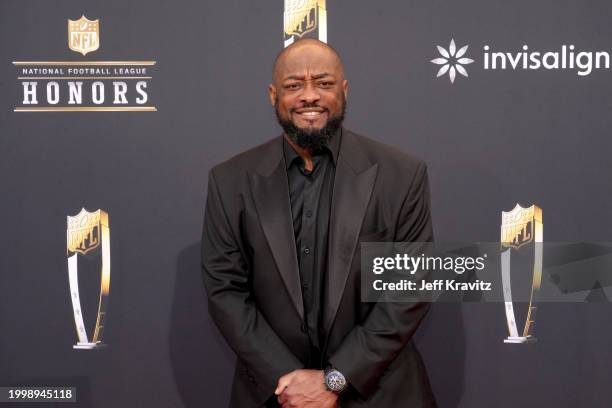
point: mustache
(309, 105)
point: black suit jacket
(250, 271)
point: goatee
(312, 139)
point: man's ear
(345, 88)
(272, 94)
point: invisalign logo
(453, 60)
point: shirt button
(306, 250)
(303, 327)
(309, 213)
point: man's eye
(326, 84)
(292, 86)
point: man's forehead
(307, 60)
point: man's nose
(310, 93)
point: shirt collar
(332, 149)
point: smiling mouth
(310, 113)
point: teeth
(310, 113)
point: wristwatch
(334, 380)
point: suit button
(252, 379)
(309, 213)
(306, 250)
(304, 328)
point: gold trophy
(304, 18)
(86, 232)
(520, 227)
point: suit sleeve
(232, 308)
(372, 345)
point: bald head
(303, 53)
(308, 92)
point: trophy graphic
(304, 18)
(86, 232)
(520, 227)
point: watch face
(335, 381)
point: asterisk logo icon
(452, 61)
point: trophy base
(520, 339)
(88, 346)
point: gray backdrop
(490, 140)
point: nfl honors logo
(83, 86)
(83, 35)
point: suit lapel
(353, 184)
(270, 190)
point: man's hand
(305, 389)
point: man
(281, 258)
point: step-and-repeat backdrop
(113, 112)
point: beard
(312, 139)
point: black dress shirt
(311, 196)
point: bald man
(281, 253)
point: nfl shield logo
(300, 16)
(518, 225)
(83, 35)
(83, 232)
